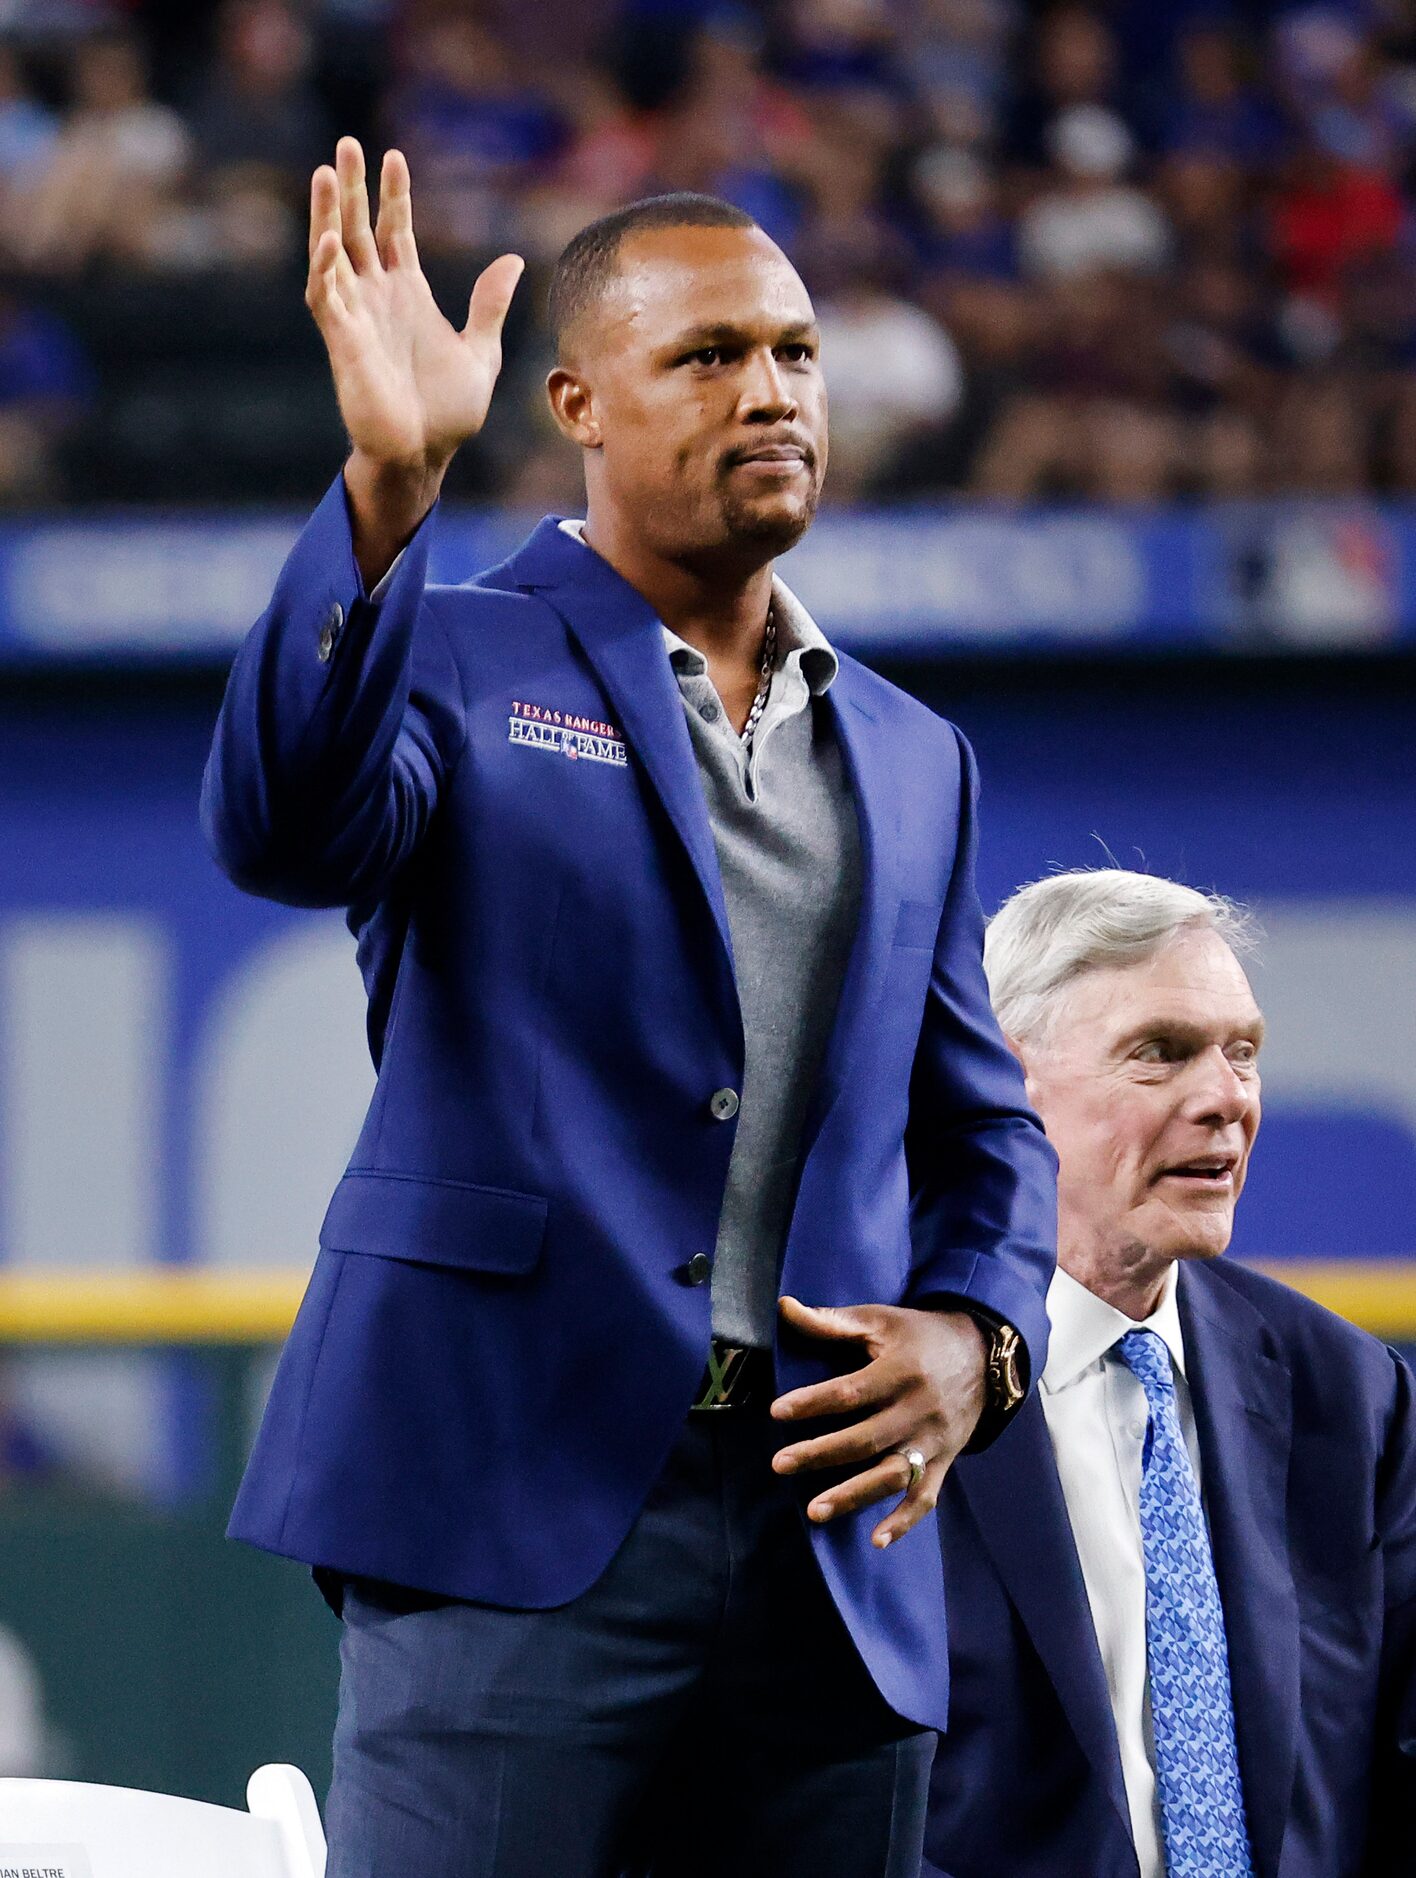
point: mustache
(789, 440)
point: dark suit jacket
(1308, 1451)
(507, 1317)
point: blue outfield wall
(1241, 577)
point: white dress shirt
(1096, 1415)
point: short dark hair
(587, 262)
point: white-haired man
(1182, 1588)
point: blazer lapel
(622, 637)
(1243, 1417)
(1016, 1497)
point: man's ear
(1020, 1050)
(573, 407)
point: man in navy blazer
(1065, 1757)
(657, 900)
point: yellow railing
(185, 1306)
(1378, 1294)
(151, 1306)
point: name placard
(44, 1861)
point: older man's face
(1148, 1084)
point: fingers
(889, 1475)
(866, 1388)
(332, 281)
(828, 1320)
(354, 204)
(326, 291)
(396, 245)
(324, 206)
(860, 1442)
(920, 1500)
(491, 296)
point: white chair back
(68, 1829)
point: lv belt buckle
(727, 1367)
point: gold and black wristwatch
(1004, 1378)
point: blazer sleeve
(1392, 1837)
(342, 722)
(983, 1175)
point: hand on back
(411, 387)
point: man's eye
(1157, 1050)
(797, 354)
(1245, 1054)
(706, 355)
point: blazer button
(723, 1104)
(699, 1269)
(329, 633)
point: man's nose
(1221, 1093)
(766, 391)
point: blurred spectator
(842, 58)
(1214, 111)
(1093, 422)
(1401, 440)
(962, 228)
(27, 129)
(45, 383)
(891, 369)
(477, 132)
(115, 169)
(1347, 95)
(841, 46)
(257, 107)
(1107, 251)
(955, 58)
(1328, 215)
(1219, 348)
(1090, 219)
(1321, 436)
(1074, 63)
(607, 160)
(1205, 194)
(734, 132)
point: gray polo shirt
(784, 825)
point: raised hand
(411, 387)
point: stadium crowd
(1113, 251)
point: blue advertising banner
(1320, 576)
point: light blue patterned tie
(1192, 1711)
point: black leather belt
(733, 1378)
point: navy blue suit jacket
(1308, 1453)
(500, 1335)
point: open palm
(411, 387)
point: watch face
(1010, 1387)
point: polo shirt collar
(799, 639)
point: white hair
(1049, 933)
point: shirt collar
(1085, 1327)
(800, 640)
